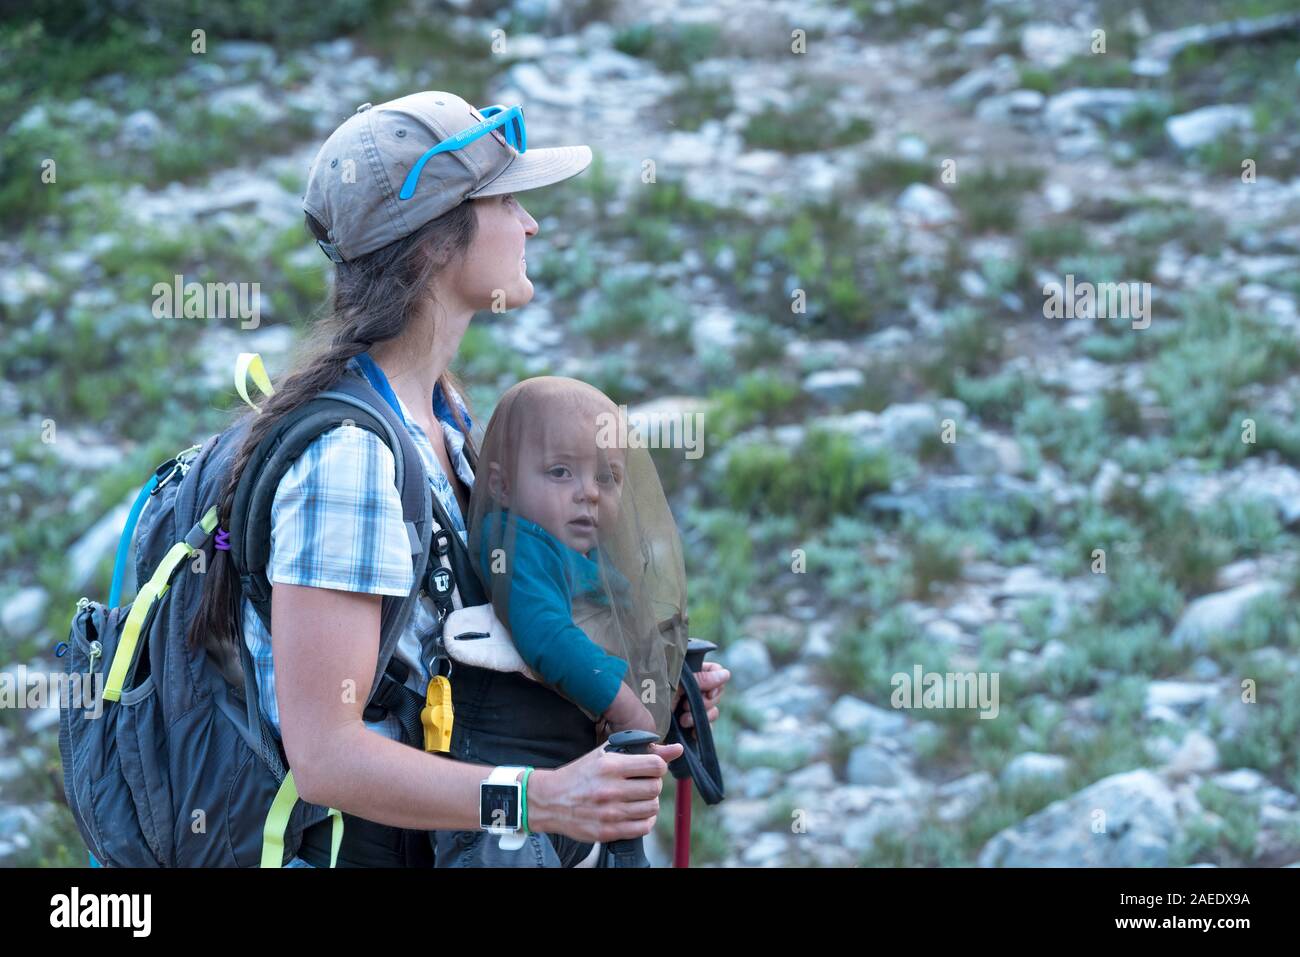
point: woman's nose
(530, 224)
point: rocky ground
(918, 468)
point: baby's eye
(607, 478)
(562, 470)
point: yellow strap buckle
(436, 716)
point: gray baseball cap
(353, 185)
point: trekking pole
(627, 853)
(696, 651)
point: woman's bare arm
(325, 645)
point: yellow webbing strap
(153, 589)
(250, 364)
(277, 822)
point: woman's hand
(711, 680)
(602, 796)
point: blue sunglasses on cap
(509, 121)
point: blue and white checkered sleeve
(336, 521)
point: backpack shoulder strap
(354, 400)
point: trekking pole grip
(630, 852)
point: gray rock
(748, 661)
(1157, 52)
(17, 823)
(244, 51)
(140, 130)
(86, 554)
(40, 720)
(859, 720)
(873, 766)
(944, 632)
(1205, 669)
(12, 768)
(714, 329)
(793, 691)
(817, 776)
(926, 206)
(1020, 107)
(819, 645)
(912, 148)
(905, 425)
(781, 752)
(1241, 781)
(1188, 131)
(958, 799)
(1026, 581)
(987, 453)
(1125, 820)
(1050, 45)
(760, 782)
(23, 613)
(766, 850)
(1033, 768)
(247, 99)
(834, 386)
(1197, 754)
(537, 84)
(1181, 696)
(1278, 484)
(1080, 109)
(742, 818)
(20, 283)
(999, 77)
(1219, 613)
(880, 818)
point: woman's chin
(519, 294)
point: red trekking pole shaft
(695, 652)
(682, 825)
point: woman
(413, 201)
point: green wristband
(523, 800)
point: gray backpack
(179, 768)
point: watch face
(499, 806)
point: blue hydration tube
(124, 543)
(119, 562)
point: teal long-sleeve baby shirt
(546, 574)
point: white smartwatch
(500, 806)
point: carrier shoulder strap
(352, 399)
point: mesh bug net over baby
(560, 497)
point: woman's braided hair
(376, 298)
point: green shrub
(990, 198)
(810, 122)
(674, 47)
(826, 475)
(890, 174)
(696, 101)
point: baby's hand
(627, 713)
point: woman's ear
(497, 485)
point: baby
(579, 555)
(560, 520)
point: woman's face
(492, 274)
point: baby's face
(571, 488)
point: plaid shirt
(336, 522)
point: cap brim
(537, 167)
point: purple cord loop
(223, 539)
